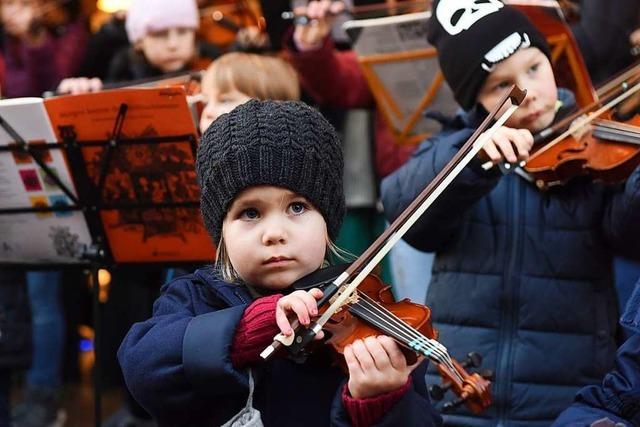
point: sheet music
(406, 81)
(36, 238)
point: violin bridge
(352, 299)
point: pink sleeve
(366, 412)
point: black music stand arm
(27, 149)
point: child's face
(170, 49)
(273, 236)
(18, 15)
(219, 103)
(529, 69)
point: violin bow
(366, 262)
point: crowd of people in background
(543, 309)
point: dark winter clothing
(129, 65)
(603, 33)
(617, 398)
(33, 70)
(255, 332)
(521, 276)
(178, 366)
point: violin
(355, 313)
(221, 22)
(373, 310)
(594, 141)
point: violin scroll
(473, 389)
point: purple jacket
(32, 70)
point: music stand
(102, 197)
(402, 72)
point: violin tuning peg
(437, 392)
(487, 374)
(450, 406)
(473, 359)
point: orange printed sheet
(147, 173)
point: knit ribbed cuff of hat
(366, 412)
(255, 331)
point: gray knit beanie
(282, 143)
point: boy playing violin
(521, 276)
(270, 175)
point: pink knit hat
(157, 15)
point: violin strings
(616, 132)
(437, 351)
(394, 320)
(416, 340)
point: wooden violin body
(350, 324)
(373, 311)
(596, 141)
(592, 152)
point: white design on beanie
(456, 16)
(505, 49)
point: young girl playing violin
(521, 276)
(270, 175)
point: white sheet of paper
(40, 238)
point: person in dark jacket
(38, 54)
(270, 175)
(15, 334)
(616, 401)
(521, 276)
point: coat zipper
(510, 286)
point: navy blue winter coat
(178, 367)
(617, 398)
(521, 276)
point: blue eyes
(295, 208)
(506, 84)
(250, 213)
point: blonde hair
(257, 76)
(229, 274)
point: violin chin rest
(319, 278)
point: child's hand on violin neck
(376, 366)
(508, 145)
(301, 303)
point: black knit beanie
(471, 36)
(282, 143)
